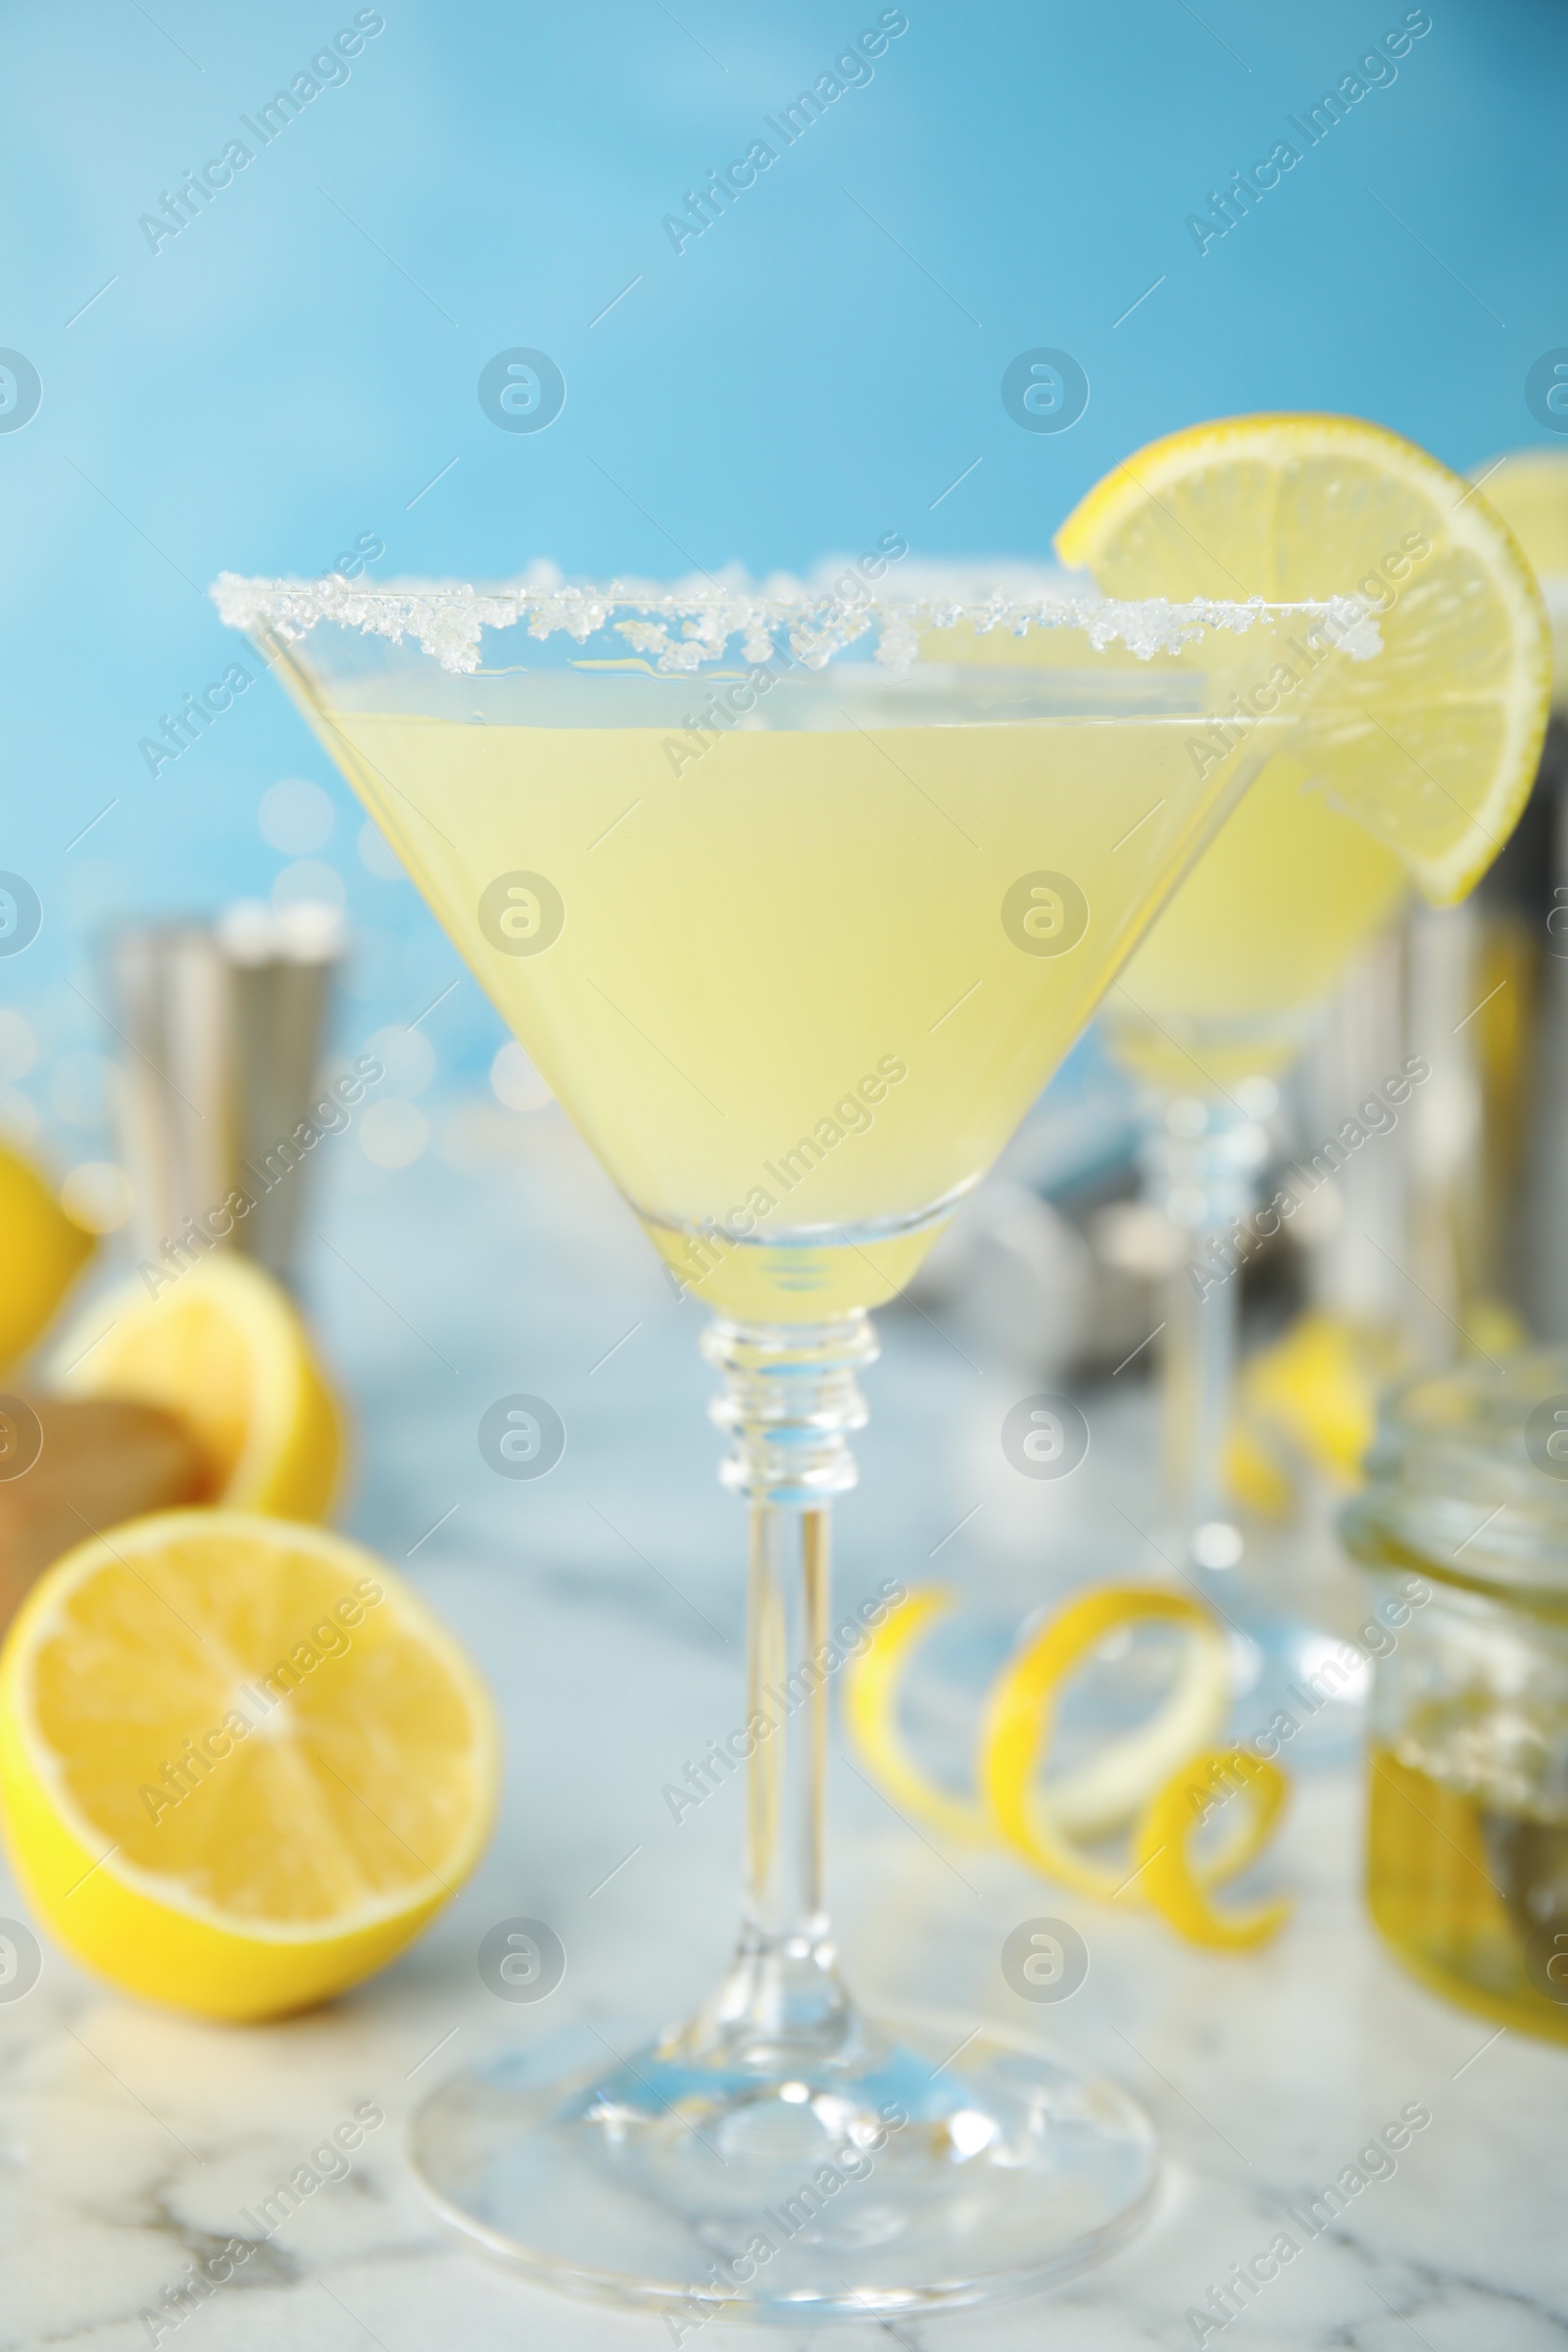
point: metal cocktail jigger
(223, 1029)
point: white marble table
(604, 1603)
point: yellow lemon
(1253, 1475)
(1528, 489)
(1433, 746)
(1316, 1388)
(224, 1347)
(241, 1763)
(42, 1250)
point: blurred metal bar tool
(222, 1028)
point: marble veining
(134, 2142)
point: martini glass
(1209, 1013)
(796, 916)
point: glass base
(924, 2166)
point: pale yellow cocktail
(777, 978)
(1225, 983)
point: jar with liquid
(1463, 1531)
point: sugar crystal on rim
(679, 628)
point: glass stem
(787, 1603)
(789, 1400)
(1202, 1162)
(1201, 1335)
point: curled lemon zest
(871, 1709)
(1164, 1779)
(1176, 1882)
(1021, 1713)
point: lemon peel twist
(1161, 1781)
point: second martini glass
(1213, 1007)
(796, 918)
(1420, 770)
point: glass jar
(1464, 1532)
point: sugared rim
(677, 628)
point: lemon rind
(1525, 699)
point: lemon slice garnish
(1434, 745)
(241, 1763)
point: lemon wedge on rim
(226, 1350)
(1434, 745)
(241, 1763)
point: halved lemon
(1434, 745)
(42, 1250)
(224, 1348)
(241, 1763)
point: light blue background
(815, 369)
